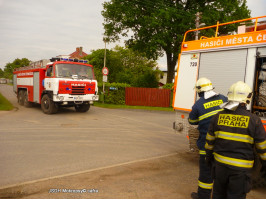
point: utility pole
(104, 64)
(197, 25)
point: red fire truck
(54, 83)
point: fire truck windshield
(67, 70)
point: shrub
(171, 87)
(114, 92)
(168, 86)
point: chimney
(80, 51)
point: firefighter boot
(194, 195)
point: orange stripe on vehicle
(176, 78)
(183, 109)
(250, 38)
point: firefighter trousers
(230, 183)
(205, 179)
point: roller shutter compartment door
(36, 87)
(15, 83)
(223, 68)
(262, 51)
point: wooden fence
(147, 97)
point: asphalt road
(36, 146)
(105, 153)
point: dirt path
(167, 177)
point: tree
(224, 11)
(1, 73)
(125, 66)
(157, 27)
(96, 58)
(148, 79)
(9, 68)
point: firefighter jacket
(232, 136)
(201, 114)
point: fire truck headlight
(61, 98)
(93, 97)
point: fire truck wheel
(48, 106)
(21, 97)
(26, 100)
(82, 107)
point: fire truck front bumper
(75, 98)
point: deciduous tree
(125, 66)
(156, 27)
(9, 68)
(1, 73)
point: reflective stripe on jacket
(232, 136)
(202, 112)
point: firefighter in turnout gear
(201, 114)
(229, 144)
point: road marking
(85, 171)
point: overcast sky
(41, 29)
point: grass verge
(113, 106)
(5, 104)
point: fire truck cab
(54, 83)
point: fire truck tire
(82, 107)
(48, 105)
(26, 100)
(21, 97)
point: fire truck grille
(78, 90)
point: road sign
(105, 71)
(104, 78)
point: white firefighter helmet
(203, 85)
(240, 92)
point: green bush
(114, 93)
(148, 79)
(168, 86)
(171, 87)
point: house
(78, 53)
(163, 78)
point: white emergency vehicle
(224, 59)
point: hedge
(114, 93)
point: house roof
(78, 53)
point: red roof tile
(78, 53)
